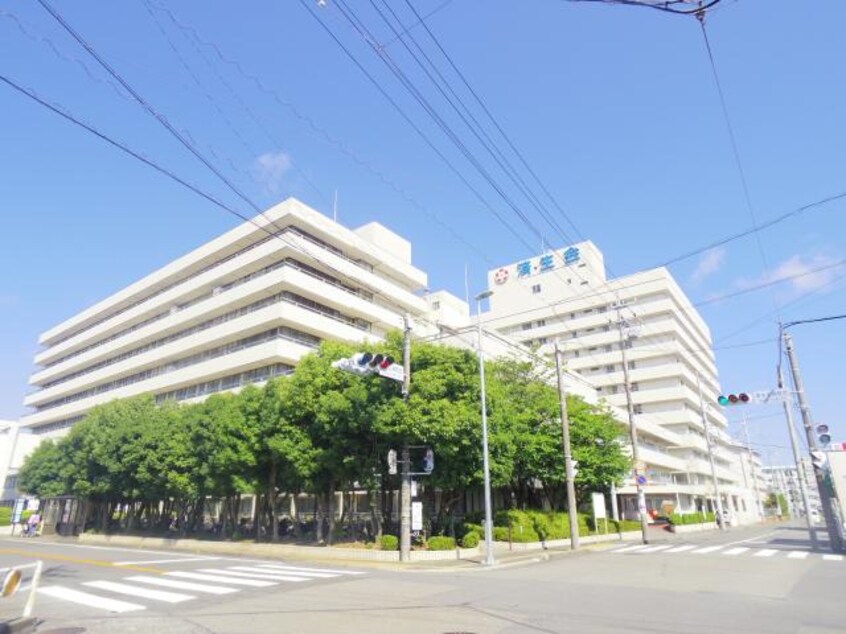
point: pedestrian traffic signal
(429, 460)
(741, 398)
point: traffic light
(823, 436)
(429, 460)
(741, 398)
(364, 363)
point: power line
(735, 150)
(147, 106)
(200, 42)
(766, 225)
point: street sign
(641, 479)
(392, 461)
(394, 372)
(769, 396)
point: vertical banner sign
(19, 507)
(598, 501)
(417, 516)
(598, 504)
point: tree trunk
(330, 504)
(318, 518)
(271, 492)
(295, 518)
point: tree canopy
(320, 430)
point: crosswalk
(135, 592)
(723, 550)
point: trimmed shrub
(471, 540)
(441, 542)
(389, 542)
(5, 515)
(25, 516)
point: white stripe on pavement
(798, 554)
(285, 568)
(164, 561)
(269, 576)
(681, 549)
(707, 549)
(629, 549)
(833, 557)
(736, 551)
(90, 600)
(147, 593)
(224, 579)
(183, 585)
(262, 570)
(654, 549)
(766, 552)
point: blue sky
(614, 108)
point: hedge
(470, 540)
(441, 542)
(5, 515)
(692, 518)
(389, 542)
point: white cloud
(270, 169)
(710, 262)
(801, 274)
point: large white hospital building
(247, 305)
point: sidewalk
(459, 558)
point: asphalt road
(760, 579)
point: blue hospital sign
(541, 264)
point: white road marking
(283, 568)
(90, 600)
(164, 561)
(833, 557)
(654, 549)
(766, 552)
(272, 570)
(218, 578)
(252, 575)
(629, 549)
(147, 593)
(736, 551)
(752, 539)
(708, 549)
(681, 549)
(798, 554)
(183, 585)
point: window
(436, 305)
(584, 283)
(609, 368)
(526, 325)
(638, 408)
(540, 323)
(543, 341)
(596, 369)
(632, 365)
(575, 334)
(635, 387)
(536, 289)
(572, 315)
(608, 348)
(576, 354)
(612, 389)
(628, 343)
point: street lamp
(489, 558)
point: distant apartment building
(784, 480)
(565, 295)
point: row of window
(361, 324)
(230, 382)
(287, 230)
(249, 342)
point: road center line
(75, 560)
(164, 561)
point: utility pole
(721, 520)
(568, 452)
(641, 496)
(800, 473)
(831, 519)
(759, 505)
(405, 490)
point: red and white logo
(501, 276)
